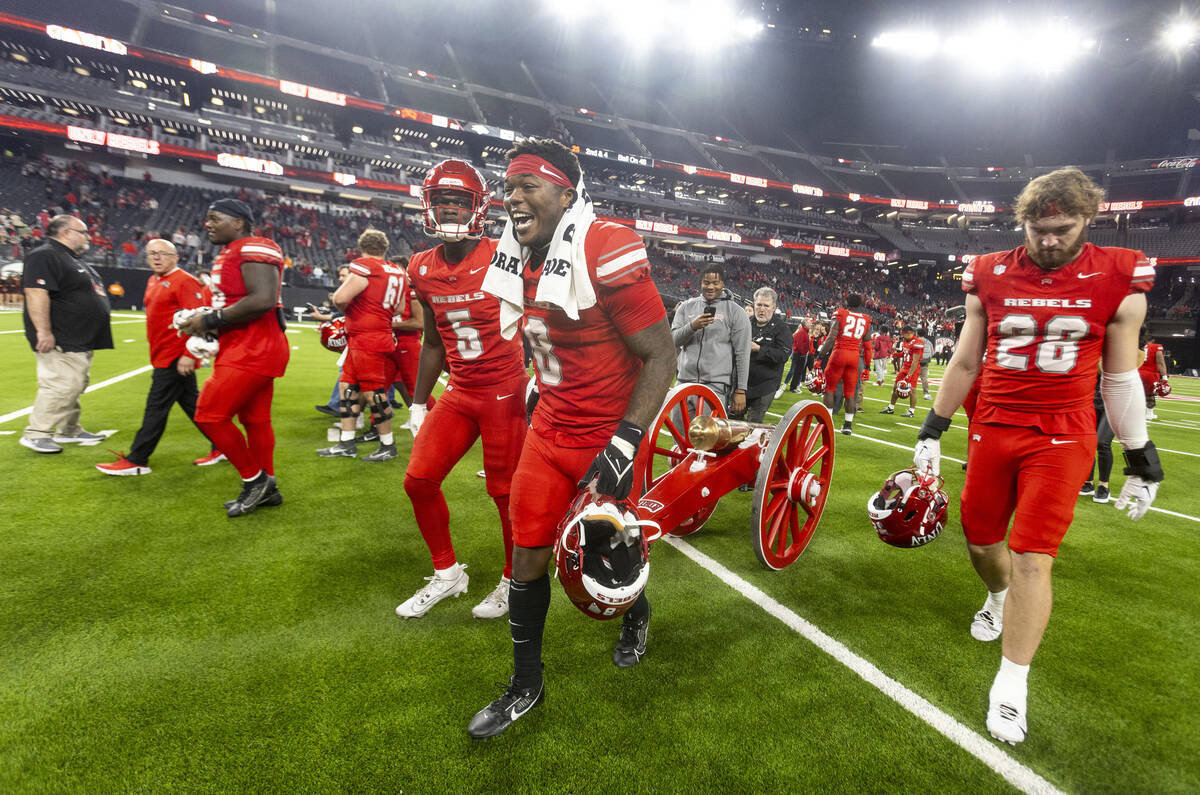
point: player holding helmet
(485, 396)
(849, 341)
(1045, 314)
(910, 369)
(1153, 372)
(603, 366)
(247, 275)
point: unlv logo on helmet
(1162, 387)
(454, 201)
(910, 510)
(333, 334)
(816, 382)
(601, 556)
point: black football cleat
(273, 499)
(370, 435)
(329, 411)
(253, 495)
(632, 643)
(514, 702)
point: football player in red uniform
(369, 296)
(913, 348)
(485, 397)
(849, 341)
(602, 379)
(1151, 370)
(1045, 313)
(174, 379)
(246, 279)
(407, 326)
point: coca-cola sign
(1176, 162)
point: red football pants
(495, 414)
(843, 367)
(231, 392)
(1027, 476)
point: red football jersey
(910, 365)
(852, 330)
(467, 319)
(1045, 332)
(258, 345)
(369, 315)
(1149, 368)
(164, 295)
(585, 372)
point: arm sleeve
(1124, 405)
(681, 328)
(39, 273)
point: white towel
(564, 281)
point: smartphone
(710, 310)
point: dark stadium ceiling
(810, 75)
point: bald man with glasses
(67, 317)
(174, 379)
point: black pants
(799, 370)
(167, 387)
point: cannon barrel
(717, 433)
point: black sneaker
(1101, 495)
(846, 429)
(273, 499)
(513, 703)
(888, 410)
(253, 494)
(632, 643)
(908, 413)
(371, 435)
(328, 411)
(386, 452)
(1086, 489)
(339, 450)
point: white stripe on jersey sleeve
(1143, 270)
(257, 249)
(621, 262)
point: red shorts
(231, 392)
(495, 413)
(1027, 476)
(405, 359)
(842, 367)
(545, 484)
(371, 370)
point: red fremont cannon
(695, 455)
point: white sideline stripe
(972, 742)
(112, 323)
(12, 415)
(872, 427)
(1178, 452)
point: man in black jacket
(770, 347)
(66, 318)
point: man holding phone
(712, 332)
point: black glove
(612, 470)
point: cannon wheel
(663, 455)
(793, 483)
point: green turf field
(151, 644)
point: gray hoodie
(718, 354)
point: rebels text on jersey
(258, 345)
(585, 371)
(369, 315)
(852, 329)
(467, 319)
(1045, 332)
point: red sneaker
(215, 457)
(122, 466)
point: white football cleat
(495, 604)
(986, 626)
(1006, 721)
(436, 589)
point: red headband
(538, 166)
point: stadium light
(991, 47)
(1179, 34)
(913, 43)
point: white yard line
(987, 752)
(12, 415)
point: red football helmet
(903, 388)
(910, 509)
(816, 381)
(1162, 387)
(333, 334)
(601, 556)
(454, 176)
